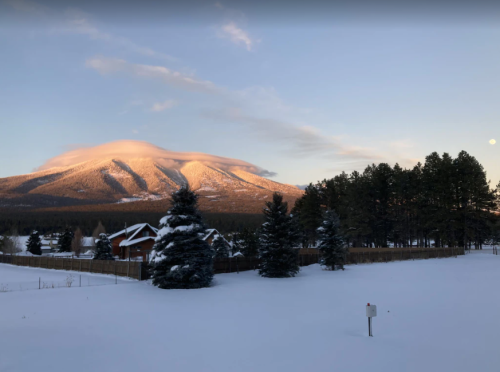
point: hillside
(134, 175)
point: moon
(492, 141)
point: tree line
(444, 202)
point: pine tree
(65, 240)
(220, 247)
(278, 239)
(180, 257)
(100, 229)
(332, 245)
(34, 244)
(246, 242)
(103, 249)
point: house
(49, 245)
(134, 241)
(211, 235)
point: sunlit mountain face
(131, 171)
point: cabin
(134, 242)
(211, 234)
(49, 245)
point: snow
(126, 243)
(433, 315)
(206, 188)
(132, 229)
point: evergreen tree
(332, 245)
(34, 244)
(308, 210)
(103, 249)
(278, 240)
(220, 247)
(98, 231)
(65, 240)
(180, 257)
(247, 242)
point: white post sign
(371, 311)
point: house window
(145, 233)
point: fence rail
(120, 268)
(307, 256)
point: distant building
(138, 240)
(134, 241)
(211, 234)
(49, 245)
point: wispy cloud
(186, 82)
(236, 35)
(26, 6)
(168, 104)
(231, 28)
(300, 140)
(78, 22)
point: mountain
(132, 172)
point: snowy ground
(433, 315)
(16, 278)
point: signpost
(371, 311)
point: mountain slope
(132, 171)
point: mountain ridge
(112, 174)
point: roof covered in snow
(215, 233)
(128, 242)
(133, 230)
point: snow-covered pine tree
(180, 257)
(34, 244)
(332, 245)
(278, 239)
(103, 249)
(65, 240)
(220, 247)
(247, 243)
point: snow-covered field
(433, 315)
(16, 278)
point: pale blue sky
(302, 93)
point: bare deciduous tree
(77, 243)
(10, 243)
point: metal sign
(371, 311)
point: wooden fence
(309, 256)
(121, 268)
(139, 270)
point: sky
(303, 89)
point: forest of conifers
(444, 202)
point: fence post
(90, 266)
(237, 267)
(128, 267)
(140, 270)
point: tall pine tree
(103, 249)
(278, 240)
(332, 245)
(180, 257)
(65, 240)
(220, 247)
(246, 242)
(34, 244)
